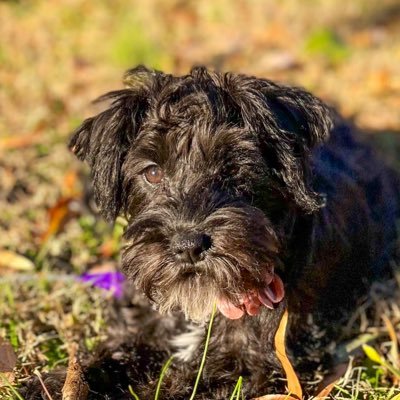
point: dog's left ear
(301, 122)
(104, 140)
(289, 123)
(299, 113)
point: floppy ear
(104, 140)
(289, 123)
(303, 122)
(301, 114)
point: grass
(53, 314)
(325, 43)
(200, 371)
(364, 383)
(58, 56)
(160, 379)
(10, 387)
(237, 391)
(144, 49)
(203, 359)
(132, 392)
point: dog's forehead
(196, 142)
(198, 130)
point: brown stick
(75, 386)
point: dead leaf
(294, 386)
(108, 248)
(13, 261)
(380, 81)
(324, 393)
(394, 350)
(66, 206)
(70, 184)
(18, 142)
(57, 216)
(393, 338)
(6, 379)
(329, 382)
(276, 397)
(8, 360)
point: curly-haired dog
(242, 192)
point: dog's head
(206, 168)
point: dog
(240, 194)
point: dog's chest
(185, 344)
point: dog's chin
(193, 294)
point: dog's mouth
(268, 295)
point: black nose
(190, 247)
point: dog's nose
(190, 247)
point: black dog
(242, 192)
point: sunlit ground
(57, 56)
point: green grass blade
(237, 390)
(10, 386)
(134, 395)
(203, 360)
(163, 371)
(372, 354)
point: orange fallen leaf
(294, 386)
(394, 350)
(108, 248)
(70, 184)
(324, 393)
(393, 338)
(276, 397)
(330, 381)
(57, 217)
(64, 207)
(17, 142)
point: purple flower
(111, 281)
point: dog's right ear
(104, 140)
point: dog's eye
(153, 174)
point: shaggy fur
(259, 178)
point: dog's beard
(194, 296)
(243, 252)
(173, 287)
(191, 290)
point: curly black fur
(275, 180)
